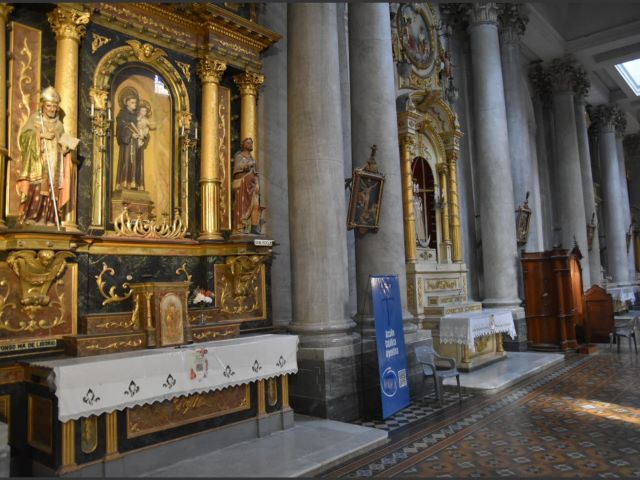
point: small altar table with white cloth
(623, 296)
(476, 335)
(82, 410)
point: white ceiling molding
(540, 38)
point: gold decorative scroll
(98, 41)
(36, 315)
(146, 419)
(241, 283)
(186, 69)
(25, 45)
(125, 226)
(183, 269)
(442, 284)
(111, 296)
(224, 149)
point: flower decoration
(202, 296)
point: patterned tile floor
(580, 418)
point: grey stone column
(499, 247)
(374, 121)
(512, 27)
(615, 229)
(315, 152)
(581, 89)
(568, 193)
(541, 104)
(632, 156)
(621, 128)
(272, 125)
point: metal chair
(430, 360)
(624, 328)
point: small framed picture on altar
(365, 201)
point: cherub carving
(36, 272)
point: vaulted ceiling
(599, 35)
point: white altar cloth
(623, 294)
(465, 327)
(94, 385)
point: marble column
(374, 121)
(69, 26)
(318, 217)
(632, 156)
(210, 72)
(581, 89)
(621, 127)
(327, 383)
(512, 27)
(5, 11)
(568, 194)
(499, 248)
(614, 222)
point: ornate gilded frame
(156, 59)
(364, 183)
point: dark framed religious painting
(365, 201)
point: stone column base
(518, 344)
(342, 383)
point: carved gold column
(210, 72)
(407, 142)
(5, 10)
(444, 208)
(112, 435)
(68, 24)
(248, 84)
(68, 446)
(455, 208)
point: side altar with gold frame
(159, 97)
(429, 138)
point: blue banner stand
(392, 357)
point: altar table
(464, 328)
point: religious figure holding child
(133, 126)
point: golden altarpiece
(429, 147)
(159, 96)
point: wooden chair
(430, 360)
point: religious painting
(142, 145)
(170, 327)
(415, 36)
(25, 45)
(365, 201)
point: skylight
(630, 71)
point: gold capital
(442, 169)
(248, 82)
(407, 142)
(5, 11)
(69, 23)
(210, 70)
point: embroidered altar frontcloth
(95, 385)
(463, 328)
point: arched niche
(140, 67)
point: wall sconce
(591, 230)
(523, 221)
